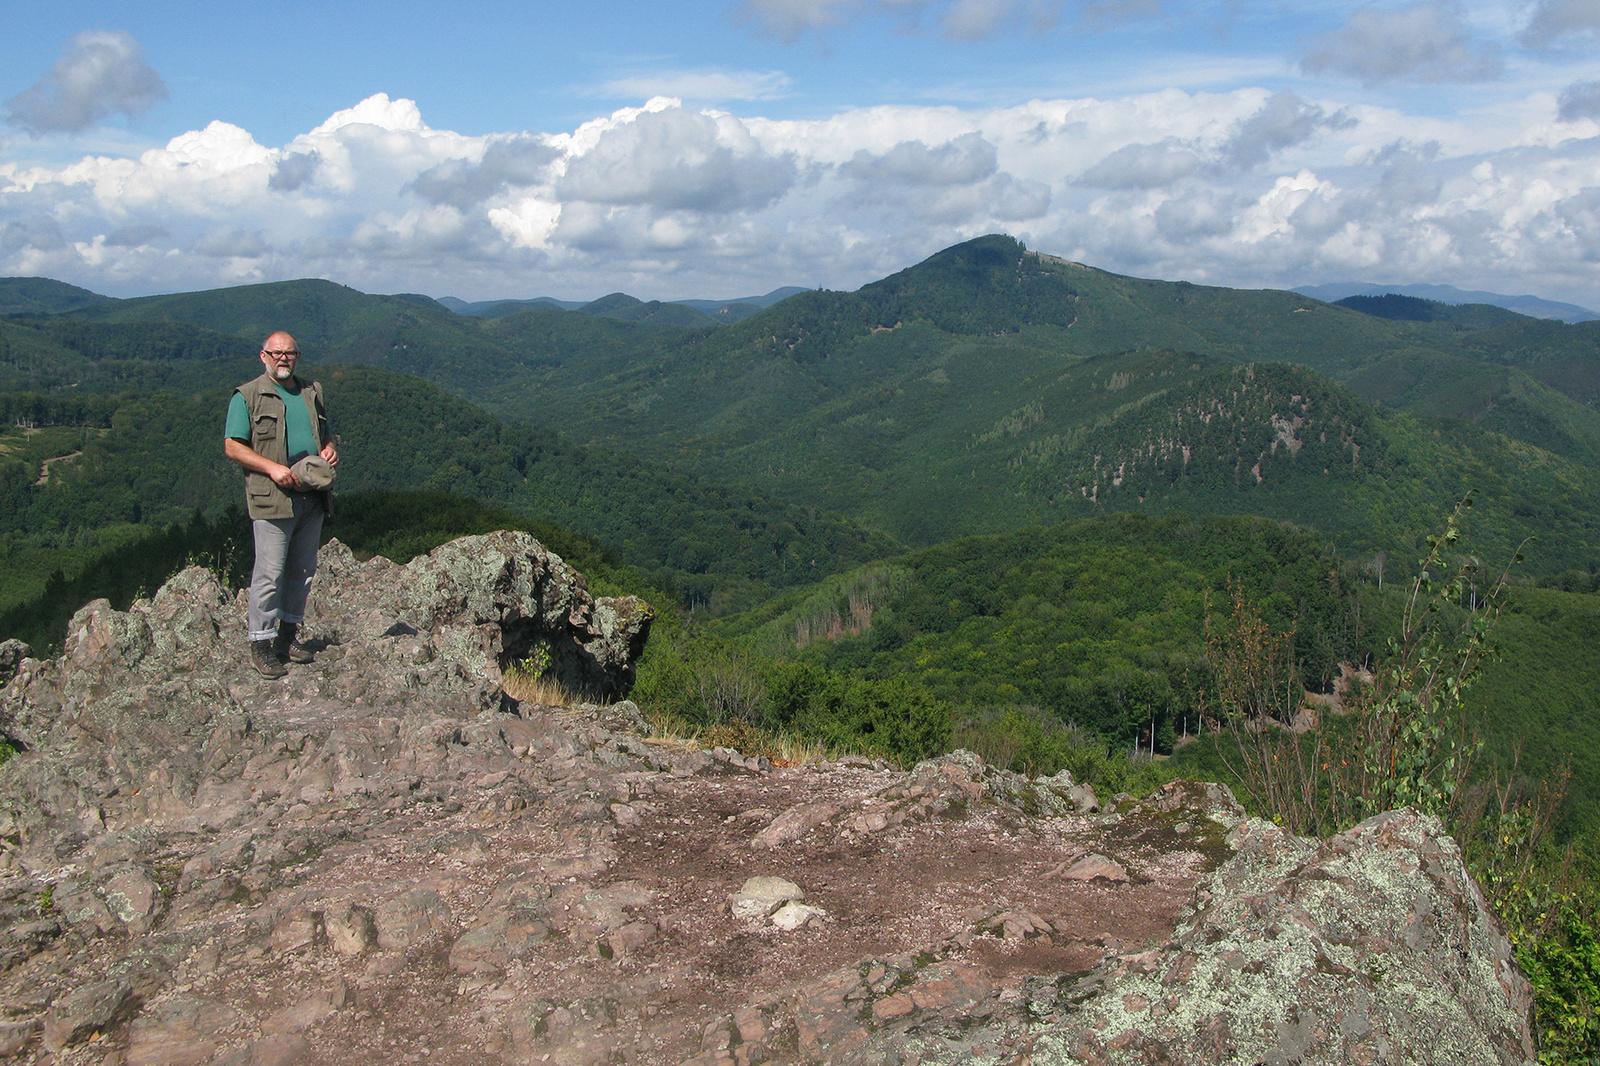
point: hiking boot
(266, 661)
(285, 647)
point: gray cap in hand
(313, 472)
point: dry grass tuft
(780, 748)
(530, 686)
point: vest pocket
(266, 430)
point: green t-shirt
(302, 442)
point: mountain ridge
(1534, 306)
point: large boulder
(475, 605)
(1372, 946)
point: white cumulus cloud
(100, 73)
(678, 160)
(960, 161)
(1143, 166)
(515, 162)
(1284, 120)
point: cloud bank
(664, 200)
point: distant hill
(1415, 309)
(497, 308)
(990, 388)
(775, 296)
(742, 308)
(323, 315)
(43, 296)
(1532, 306)
(625, 308)
(724, 311)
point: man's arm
(328, 451)
(250, 459)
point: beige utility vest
(269, 438)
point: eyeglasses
(287, 351)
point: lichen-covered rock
(946, 786)
(477, 604)
(12, 652)
(437, 629)
(87, 1010)
(760, 896)
(1374, 946)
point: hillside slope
(156, 458)
(980, 391)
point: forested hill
(43, 296)
(987, 388)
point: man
(276, 424)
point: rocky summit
(383, 858)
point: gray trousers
(286, 559)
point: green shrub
(891, 717)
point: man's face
(280, 355)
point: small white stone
(792, 915)
(760, 896)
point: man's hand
(247, 457)
(330, 453)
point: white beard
(282, 373)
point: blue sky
(723, 149)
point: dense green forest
(1097, 621)
(997, 499)
(157, 459)
(974, 392)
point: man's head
(280, 354)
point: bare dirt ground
(624, 948)
(560, 902)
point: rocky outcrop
(435, 632)
(1373, 946)
(382, 858)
